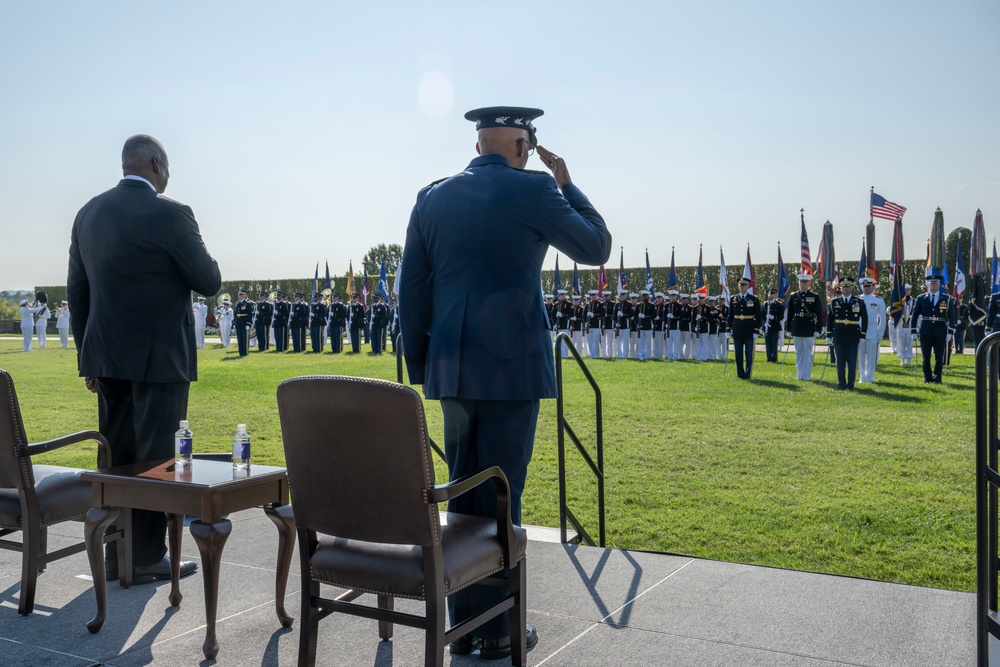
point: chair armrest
(103, 448)
(505, 528)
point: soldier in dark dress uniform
(623, 314)
(262, 322)
(607, 326)
(804, 323)
(379, 318)
(745, 315)
(659, 324)
(318, 312)
(935, 312)
(846, 327)
(337, 320)
(961, 324)
(298, 322)
(563, 310)
(576, 322)
(774, 313)
(243, 317)
(593, 313)
(644, 314)
(282, 311)
(671, 313)
(356, 323)
(393, 323)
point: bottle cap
(184, 423)
(241, 428)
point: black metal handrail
(987, 482)
(397, 349)
(565, 515)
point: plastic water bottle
(241, 448)
(183, 441)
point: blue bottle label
(245, 451)
(185, 446)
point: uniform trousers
(27, 331)
(297, 342)
(263, 335)
(565, 352)
(594, 343)
(892, 336)
(336, 339)
(723, 346)
(63, 337)
(479, 434)
(577, 337)
(674, 345)
(645, 344)
(608, 343)
(702, 347)
(847, 365)
(316, 338)
(771, 340)
(377, 338)
(804, 349)
(199, 334)
(224, 331)
(692, 344)
(744, 357)
(937, 345)
(959, 340)
(280, 339)
(355, 340)
(904, 344)
(621, 339)
(659, 344)
(685, 339)
(242, 339)
(139, 420)
(868, 357)
(40, 332)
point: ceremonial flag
(576, 280)
(937, 241)
(723, 280)
(828, 261)
(807, 266)
(748, 272)
(863, 264)
(364, 291)
(558, 278)
(622, 278)
(383, 282)
(977, 255)
(995, 282)
(602, 282)
(945, 277)
(316, 279)
(329, 283)
(783, 283)
(870, 245)
(649, 274)
(699, 281)
(927, 266)
(395, 279)
(883, 208)
(351, 289)
(672, 278)
(959, 289)
(898, 279)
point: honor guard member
(200, 311)
(379, 317)
(318, 312)
(723, 305)
(62, 324)
(774, 313)
(745, 315)
(623, 314)
(869, 347)
(594, 314)
(607, 326)
(576, 322)
(961, 324)
(684, 326)
(659, 324)
(263, 314)
(356, 322)
(298, 322)
(845, 330)
(282, 312)
(633, 327)
(337, 321)
(714, 325)
(225, 320)
(672, 312)
(935, 312)
(904, 341)
(645, 313)
(393, 323)
(563, 310)
(243, 317)
(699, 327)
(28, 322)
(550, 315)
(803, 323)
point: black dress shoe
(495, 649)
(160, 571)
(465, 645)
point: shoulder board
(440, 180)
(536, 171)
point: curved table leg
(174, 532)
(283, 518)
(211, 538)
(98, 520)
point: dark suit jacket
(470, 305)
(134, 259)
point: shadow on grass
(872, 392)
(776, 384)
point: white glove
(590, 313)
(657, 318)
(949, 338)
(829, 340)
(756, 336)
(770, 316)
(642, 316)
(729, 335)
(670, 316)
(916, 336)
(572, 319)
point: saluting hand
(556, 165)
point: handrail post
(987, 366)
(560, 340)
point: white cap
(24, 303)
(184, 423)
(241, 428)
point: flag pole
(871, 199)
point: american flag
(807, 265)
(885, 209)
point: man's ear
(478, 151)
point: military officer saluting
(846, 328)
(804, 322)
(934, 310)
(745, 315)
(244, 316)
(262, 321)
(318, 312)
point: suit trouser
(27, 332)
(477, 435)
(242, 339)
(937, 345)
(744, 356)
(355, 340)
(847, 364)
(63, 337)
(139, 420)
(280, 339)
(804, 349)
(594, 343)
(316, 337)
(262, 336)
(336, 339)
(868, 357)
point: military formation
(287, 322)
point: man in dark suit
(492, 219)
(133, 245)
(935, 311)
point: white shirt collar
(133, 177)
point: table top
(207, 475)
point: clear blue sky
(301, 132)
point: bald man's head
(511, 142)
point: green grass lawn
(878, 483)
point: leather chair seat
(470, 548)
(60, 491)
